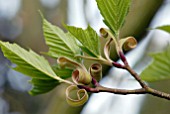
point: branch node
(118, 65)
(123, 58)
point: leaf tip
(41, 14)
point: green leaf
(88, 38)
(62, 72)
(159, 69)
(60, 44)
(41, 86)
(165, 28)
(31, 64)
(114, 13)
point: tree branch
(149, 90)
(158, 93)
(131, 71)
(136, 76)
(144, 90)
(112, 90)
(145, 87)
(121, 91)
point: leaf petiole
(99, 59)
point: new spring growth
(96, 71)
(81, 95)
(80, 76)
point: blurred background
(20, 22)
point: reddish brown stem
(131, 71)
(144, 90)
(126, 92)
(123, 58)
(118, 65)
(94, 82)
(141, 82)
(121, 91)
(136, 76)
(112, 90)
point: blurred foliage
(165, 28)
(159, 69)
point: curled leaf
(104, 33)
(82, 96)
(63, 62)
(81, 76)
(107, 49)
(128, 43)
(96, 71)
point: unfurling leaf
(31, 64)
(81, 77)
(88, 38)
(128, 43)
(159, 69)
(65, 62)
(165, 28)
(114, 13)
(107, 49)
(96, 71)
(106, 33)
(82, 96)
(60, 44)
